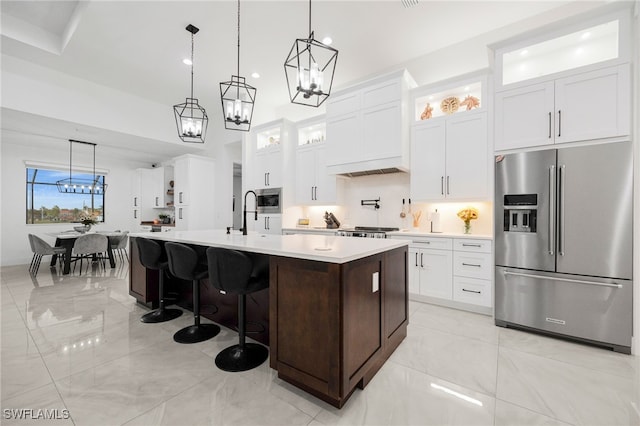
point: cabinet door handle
(471, 291)
(135, 214)
(471, 264)
(549, 124)
(416, 259)
(471, 245)
(268, 222)
(421, 260)
(180, 213)
(156, 201)
(312, 193)
(316, 193)
(441, 185)
(135, 201)
(559, 122)
(265, 179)
(422, 242)
(269, 179)
(448, 185)
(180, 197)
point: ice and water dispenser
(520, 212)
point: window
(46, 205)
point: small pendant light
(238, 98)
(309, 70)
(191, 118)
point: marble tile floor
(74, 345)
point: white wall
(14, 247)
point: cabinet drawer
(471, 245)
(381, 94)
(472, 290)
(432, 243)
(475, 265)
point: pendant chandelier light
(79, 185)
(191, 118)
(309, 70)
(238, 98)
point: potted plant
(164, 218)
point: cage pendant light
(238, 98)
(191, 118)
(309, 70)
(79, 185)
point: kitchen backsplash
(391, 189)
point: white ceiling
(138, 46)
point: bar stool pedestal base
(237, 358)
(161, 315)
(196, 333)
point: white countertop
(320, 248)
(411, 233)
(310, 229)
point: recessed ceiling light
(586, 35)
(327, 40)
(187, 61)
(255, 75)
(524, 52)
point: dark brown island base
(336, 308)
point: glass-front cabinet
(566, 83)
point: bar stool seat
(152, 256)
(183, 264)
(232, 271)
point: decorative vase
(87, 228)
(467, 227)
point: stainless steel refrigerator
(564, 227)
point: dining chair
(121, 247)
(41, 248)
(90, 246)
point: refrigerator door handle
(562, 177)
(552, 197)
(566, 280)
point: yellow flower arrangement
(467, 215)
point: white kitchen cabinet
(454, 272)
(585, 106)
(430, 269)
(194, 192)
(141, 200)
(314, 185)
(449, 158)
(182, 218)
(161, 197)
(268, 224)
(268, 157)
(268, 168)
(367, 125)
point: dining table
(67, 240)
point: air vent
(373, 172)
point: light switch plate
(375, 282)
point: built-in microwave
(269, 200)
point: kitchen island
(337, 306)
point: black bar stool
(183, 264)
(232, 271)
(152, 256)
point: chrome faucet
(244, 211)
